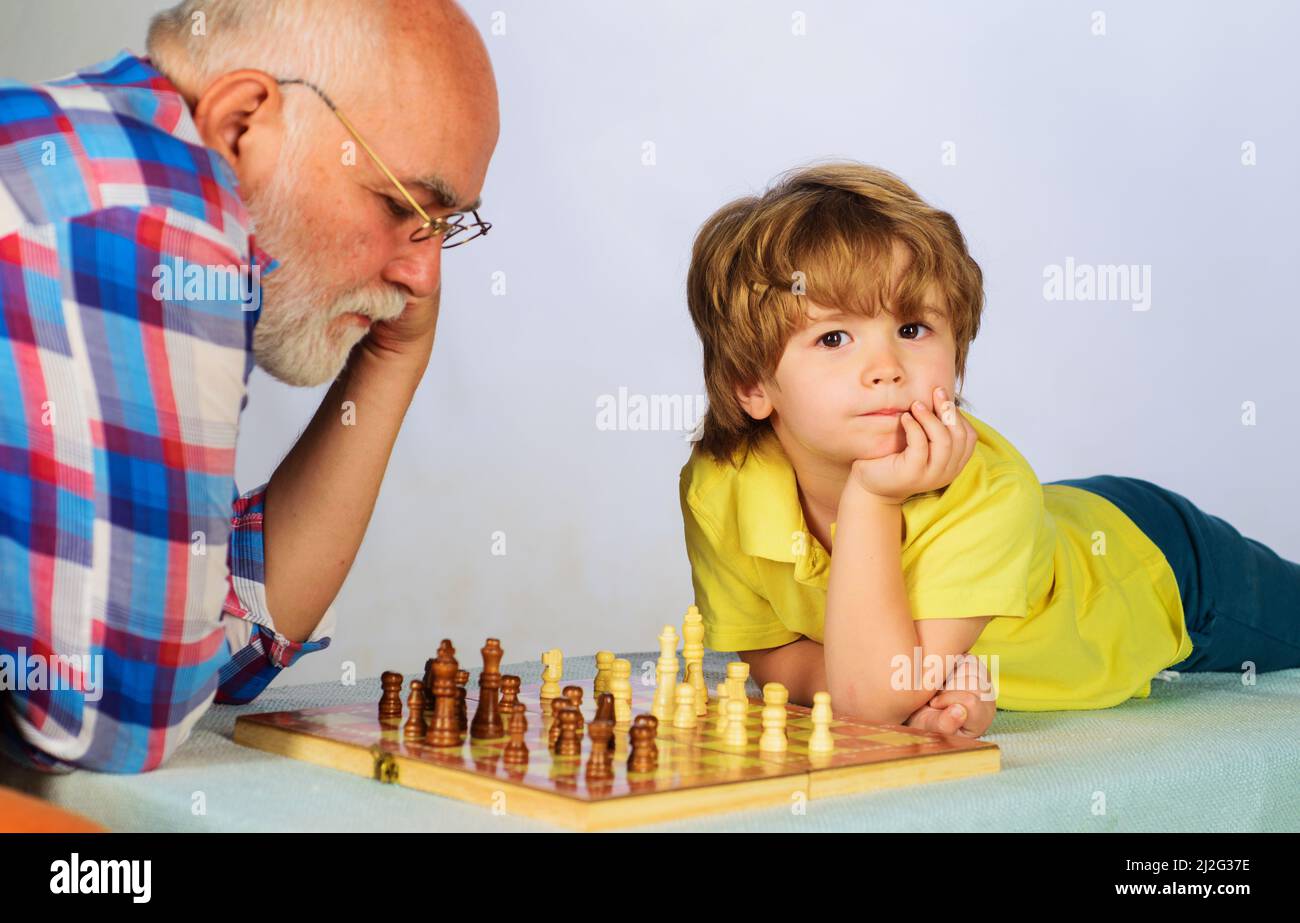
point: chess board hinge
(385, 768)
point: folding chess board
(697, 773)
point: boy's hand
(938, 447)
(958, 708)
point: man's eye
(396, 208)
(912, 326)
(835, 339)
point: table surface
(1204, 753)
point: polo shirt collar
(769, 516)
(165, 108)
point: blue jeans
(1240, 600)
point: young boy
(836, 313)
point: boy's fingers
(940, 438)
(918, 450)
(966, 700)
(951, 720)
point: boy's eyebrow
(823, 317)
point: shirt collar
(769, 516)
(164, 107)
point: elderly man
(354, 140)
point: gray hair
(327, 42)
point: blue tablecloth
(1203, 753)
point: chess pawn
(574, 696)
(552, 673)
(604, 661)
(570, 742)
(737, 733)
(723, 698)
(390, 703)
(684, 717)
(553, 731)
(621, 686)
(773, 739)
(695, 679)
(644, 756)
(509, 697)
(600, 764)
(516, 751)
(821, 740)
(737, 674)
(415, 727)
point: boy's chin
(876, 446)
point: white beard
(298, 338)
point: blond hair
(823, 234)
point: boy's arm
(869, 621)
(800, 666)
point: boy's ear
(755, 401)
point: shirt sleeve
(258, 651)
(973, 558)
(736, 616)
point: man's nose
(418, 268)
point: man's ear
(241, 117)
(755, 400)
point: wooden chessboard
(697, 772)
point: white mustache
(377, 304)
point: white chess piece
(620, 684)
(775, 697)
(666, 675)
(737, 733)
(821, 740)
(684, 717)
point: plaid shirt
(121, 386)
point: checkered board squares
(697, 772)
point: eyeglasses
(453, 228)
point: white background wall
(1117, 148)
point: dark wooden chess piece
(570, 742)
(516, 750)
(462, 710)
(509, 697)
(428, 684)
(416, 727)
(600, 765)
(645, 753)
(553, 732)
(445, 730)
(605, 709)
(574, 695)
(390, 703)
(487, 718)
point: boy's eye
(911, 327)
(835, 339)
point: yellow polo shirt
(1085, 607)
